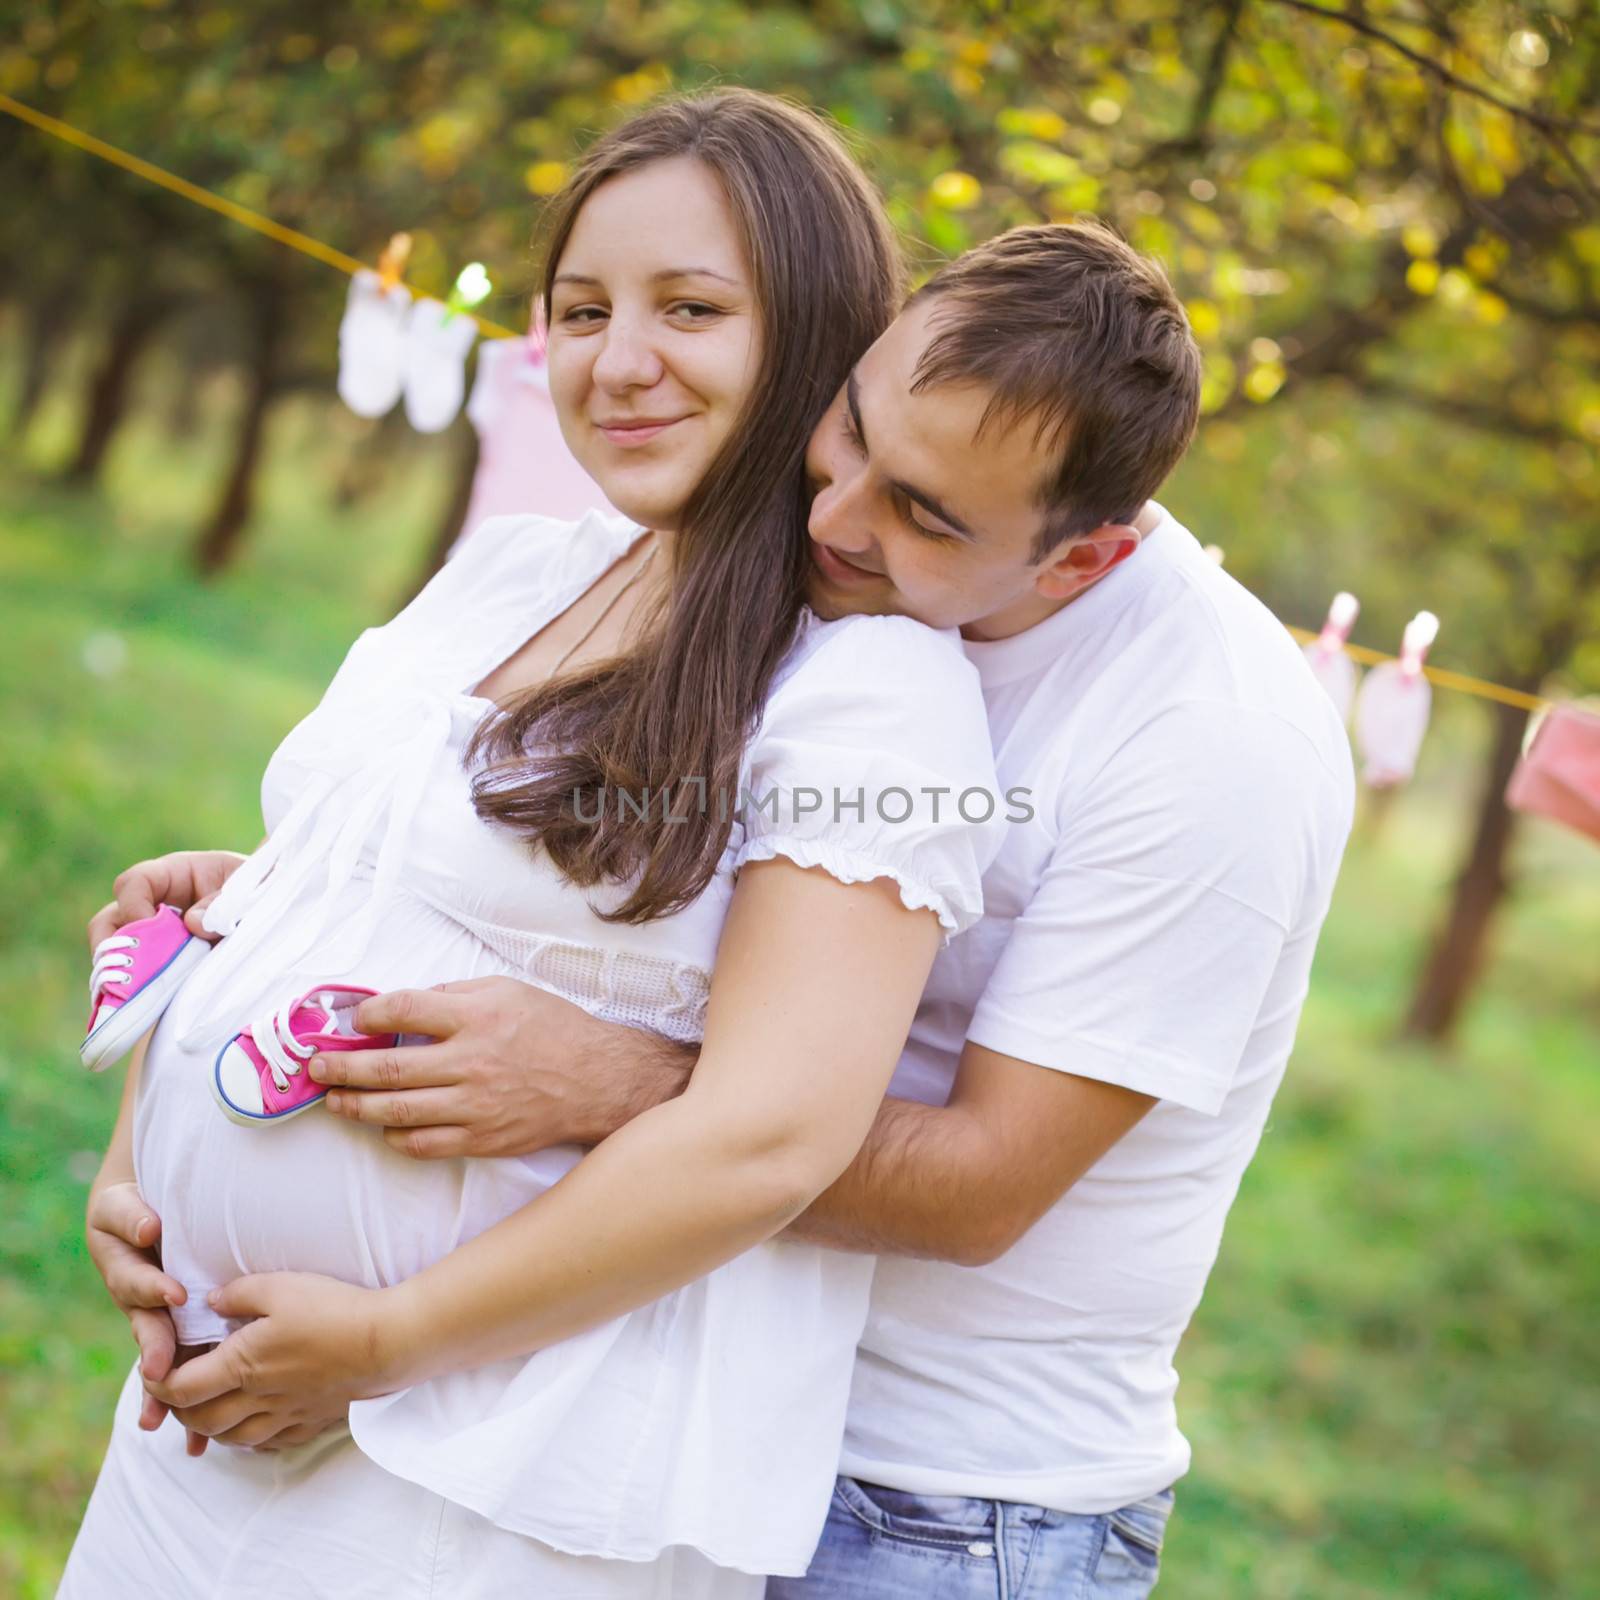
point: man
(1092, 1066)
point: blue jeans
(884, 1544)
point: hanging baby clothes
(1392, 709)
(1329, 661)
(372, 344)
(434, 363)
(1559, 774)
(524, 464)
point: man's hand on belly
(514, 1070)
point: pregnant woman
(604, 1375)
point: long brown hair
(671, 717)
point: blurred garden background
(1385, 220)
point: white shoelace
(112, 963)
(284, 1053)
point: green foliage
(1406, 206)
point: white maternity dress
(682, 1450)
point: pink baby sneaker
(260, 1074)
(136, 973)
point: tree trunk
(107, 405)
(455, 512)
(367, 459)
(219, 541)
(183, 402)
(46, 325)
(1461, 943)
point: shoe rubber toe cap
(239, 1082)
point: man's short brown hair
(1076, 332)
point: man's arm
(963, 1182)
(518, 1069)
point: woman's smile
(632, 432)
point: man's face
(911, 513)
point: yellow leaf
(955, 191)
(1420, 240)
(1455, 288)
(1500, 139)
(1489, 307)
(545, 177)
(1204, 319)
(634, 88)
(1422, 277)
(17, 71)
(1264, 381)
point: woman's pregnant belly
(315, 1193)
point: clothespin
(1393, 707)
(1329, 663)
(1415, 643)
(1341, 619)
(471, 288)
(392, 263)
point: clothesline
(230, 209)
(1460, 682)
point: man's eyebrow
(932, 506)
(852, 398)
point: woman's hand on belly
(314, 1345)
(123, 1235)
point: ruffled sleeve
(873, 760)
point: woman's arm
(815, 986)
(122, 1235)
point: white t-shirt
(1152, 926)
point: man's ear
(1086, 559)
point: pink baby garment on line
(524, 464)
(1559, 774)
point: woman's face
(654, 335)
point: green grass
(1391, 1385)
